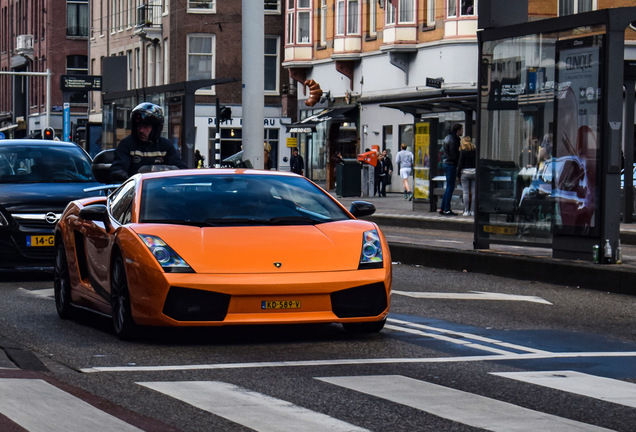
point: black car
(38, 178)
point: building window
(348, 11)
(201, 5)
(129, 62)
(430, 13)
(77, 18)
(298, 21)
(201, 58)
(464, 7)
(373, 18)
(406, 12)
(272, 64)
(272, 7)
(570, 7)
(389, 13)
(77, 65)
(323, 23)
(150, 65)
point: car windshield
(236, 200)
(39, 164)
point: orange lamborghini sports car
(222, 247)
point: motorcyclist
(144, 145)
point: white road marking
(48, 292)
(248, 408)
(473, 295)
(369, 361)
(37, 406)
(460, 338)
(607, 389)
(459, 406)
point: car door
(99, 239)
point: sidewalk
(420, 237)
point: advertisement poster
(422, 160)
(576, 144)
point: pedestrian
(384, 174)
(199, 159)
(404, 160)
(451, 157)
(145, 145)
(389, 164)
(267, 160)
(296, 163)
(466, 172)
(377, 172)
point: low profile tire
(365, 327)
(62, 282)
(123, 322)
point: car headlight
(169, 260)
(371, 256)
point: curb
(610, 278)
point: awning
(7, 128)
(437, 103)
(308, 125)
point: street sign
(80, 82)
(434, 82)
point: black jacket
(131, 154)
(451, 149)
(467, 159)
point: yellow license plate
(500, 230)
(280, 304)
(40, 240)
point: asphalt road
(533, 356)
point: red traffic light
(48, 133)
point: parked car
(213, 247)
(38, 178)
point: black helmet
(150, 113)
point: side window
(121, 203)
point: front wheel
(364, 327)
(62, 282)
(123, 322)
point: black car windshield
(40, 164)
(236, 200)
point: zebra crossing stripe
(606, 389)
(248, 408)
(456, 405)
(38, 406)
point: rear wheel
(123, 322)
(62, 282)
(365, 327)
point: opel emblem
(277, 264)
(50, 217)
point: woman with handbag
(467, 174)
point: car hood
(54, 197)
(334, 246)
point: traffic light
(226, 114)
(315, 92)
(48, 133)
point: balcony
(24, 45)
(149, 22)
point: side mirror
(361, 208)
(95, 212)
(101, 165)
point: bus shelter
(550, 124)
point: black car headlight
(371, 255)
(169, 260)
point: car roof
(37, 142)
(215, 171)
